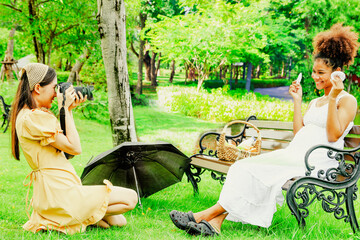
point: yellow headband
(35, 73)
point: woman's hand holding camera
(72, 99)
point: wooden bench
(5, 109)
(339, 183)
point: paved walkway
(277, 92)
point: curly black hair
(336, 47)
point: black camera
(85, 91)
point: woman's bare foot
(102, 224)
(115, 220)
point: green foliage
(8, 90)
(21, 48)
(223, 106)
(64, 26)
(139, 100)
(94, 73)
(217, 33)
(255, 83)
(62, 76)
(97, 109)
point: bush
(141, 100)
(223, 106)
(62, 76)
(255, 83)
(93, 73)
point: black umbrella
(145, 167)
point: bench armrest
(348, 163)
(4, 107)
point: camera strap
(62, 116)
(62, 124)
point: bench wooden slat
(355, 130)
(273, 145)
(351, 142)
(211, 163)
(272, 124)
(271, 134)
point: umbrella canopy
(151, 166)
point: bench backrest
(275, 135)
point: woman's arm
(69, 143)
(295, 91)
(339, 116)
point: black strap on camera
(62, 123)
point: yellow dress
(59, 201)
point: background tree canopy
(203, 36)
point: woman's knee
(125, 196)
(133, 199)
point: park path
(277, 92)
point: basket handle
(240, 121)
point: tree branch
(12, 7)
(37, 5)
(133, 48)
(64, 30)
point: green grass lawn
(152, 221)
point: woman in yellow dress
(60, 202)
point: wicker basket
(229, 152)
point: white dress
(253, 185)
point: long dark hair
(23, 98)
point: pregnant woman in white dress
(253, 186)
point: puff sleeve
(41, 126)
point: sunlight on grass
(152, 221)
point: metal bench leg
(3, 123)
(7, 125)
(350, 208)
(290, 199)
(191, 178)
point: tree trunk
(258, 68)
(34, 19)
(283, 69)
(147, 60)
(271, 70)
(153, 69)
(111, 23)
(68, 63)
(236, 74)
(220, 73)
(244, 71)
(172, 74)
(248, 77)
(7, 69)
(157, 72)
(225, 69)
(140, 56)
(74, 74)
(59, 64)
(48, 53)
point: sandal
(181, 219)
(202, 228)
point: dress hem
(81, 227)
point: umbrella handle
(137, 186)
